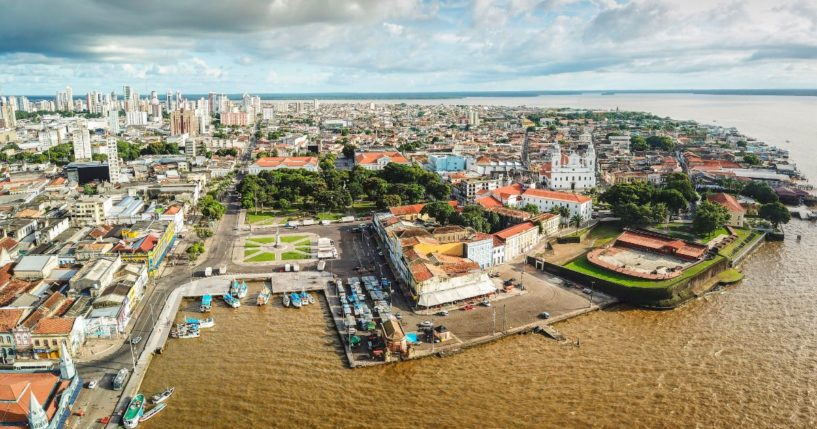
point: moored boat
(295, 299)
(153, 411)
(231, 300)
(309, 298)
(161, 397)
(134, 411)
(206, 303)
(286, 300)
(201, 323)
(238, 289)
(304, 298)
(263, 296)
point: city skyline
(407, 46)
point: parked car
(486, 303)
(136, 340)
(544, 315)
(92, 384)
(442, 313)
(468, 307)
(587, 291)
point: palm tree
(577, 220)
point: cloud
(291, 45)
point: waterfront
(745, 356)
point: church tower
(37, 419)
(555, 156)
(67, 369)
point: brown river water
(745, 356)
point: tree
(761, 192)
(375, 187)
(661, 142)
(389, 200)
(349, 151)
(210, 208)
(204, 233)
(99, 157)
(638, 144)
(88, 189)
(577, 220)
(673, 199)
(441, 211)
(681, 183)
(776, 213)
(530, 208)
(751, 159)
(195, 250)
(709, 216)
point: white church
(569, 172)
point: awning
(457, 294)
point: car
(136, 340)
(468, 307)
(508, 282)
(587, 291)
(544, 315)
(442, 313)
(398, 316)
(92, 384)
(486, 303)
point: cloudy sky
(289, 46)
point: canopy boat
(153, 411)
(161, 397)
(263, 296)
(295, 299)
(239, 289)
(206, 303)
(134, 411)
(304, 298)
(201, 323)
(231, 300)
(286, 300)
(309, 298)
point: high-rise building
(155, 106)
(113, 160)
(234, 119)
(82, 142)
(268, 114)
(7, 116)
(190, 148)
(69, 95)
(113, 122)
(473, 117)
(136, 119)
(184, 122)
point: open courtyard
(272, 248)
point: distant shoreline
(432, 95)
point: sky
(291, 46)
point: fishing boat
(161, 397)
(239, 289)
(286, 300)
(231, 300)
(309, 298)
(134, 411)
(295, 299)
(206, 303)
(190, 333)
(153, 411)
(304, 298)
(201, 323)
(263, 296)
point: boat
(286, 300)
(309, 298)
(202, 323)
(161, 397)
(263, 297)
(295, 299)
(153, 411)
(231, 300)
(206, 303)
(134, 411)
(239, 289)
(185, 330)
(305, 298)
(188, 334)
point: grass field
(729, 251)
(262, 257)
(292, 238)
(286, 256)
(603, 234)
(582, 265)
(262, 240)
(684, 231)
(249, 252)
(730, 276)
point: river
(742, 357)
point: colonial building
(309, 163)
(574, 171)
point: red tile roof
(54, 325)
(44, 385)
(292, 162)
(727, 201)
(372, 157)
(555, 195)
(488, 202)
(7, 243)
(512, 189)
(9, 318)
(514, 230)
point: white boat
(310, 298)
(153, 411)
(161, 397)
(286, 300)
(263, 297)
(207, 323)
(189, 334)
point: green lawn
(249, 252)
(328, 216)
(684, 231)
(291, 238)
(582, 265)
(603, 234)
(269, 215)
(293, 255)
(730, 276)
(742, 234)
(305, 249)
(263, 240)
(262, 257)
(362, 207)
(249, 245)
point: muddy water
(742, 357)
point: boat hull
(134, 411)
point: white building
(113, 161)
(569, 172)
(136, 119)
(518, 239)
(82, 143)
(546, 200)
(113, 121)
(90, 210)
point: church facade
(574, 171)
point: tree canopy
(775, 212)
(709, 216)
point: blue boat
(295, 299)
(238, 289)
(231, 300)
(206, 303)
